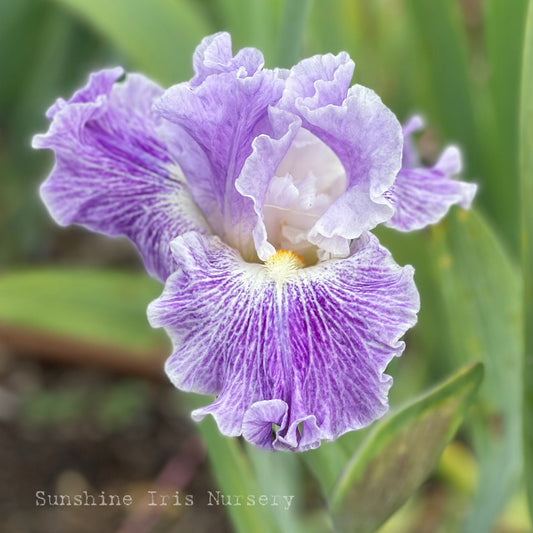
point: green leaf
(481, 290)
(326, 464)
(479, 116)
(283, 474)
(158, 37)
(293, 26)
(459, 107)
(95, 307)
(400, 453)
(526, 167)
(252, 23)
(441, 40)
(504, 32)
(235, 476)
(328, 461)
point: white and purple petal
(307, 178)
(296, 356)
(214, 55)
(113, 174)
(364, 134)
(410, 153)
(216, 121)
(268, 150)
(421, 195)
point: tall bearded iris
(251, 193)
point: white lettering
(288, 499)
(213, 497)
(40, 500)
(152, 497)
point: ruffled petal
(422, 196)
(214, 56)
(216, 121)
(268, 150)
(100, 83)
(360, 129)
(291, 176)
(112, 173)
(318, 81)
(295, 356)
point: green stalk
(295, 17)
(526, 168)
(234, 475)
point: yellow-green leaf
(400, 454)
(157, 36)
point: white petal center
(306, 183)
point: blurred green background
(69, 299)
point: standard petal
(295, 356)
(214, 56)
(422, 196)
(319, 81)
(360, 129)
(292, 178)
(253, 182)
(112, 172)
(217, 121)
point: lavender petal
(112, 173)
(294, 359)
(216, 120)
(422, 196)
(360, 129)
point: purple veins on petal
(113, 174)
(422, 196)
(304, 349)
(251, 192)
(218, 119)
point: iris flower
(251, 194)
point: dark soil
(70, 430)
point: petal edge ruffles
(360, 129)
(217, 121)
(307, 353)
(113, 174)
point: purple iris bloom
(251, 193)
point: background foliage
(463, 65)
